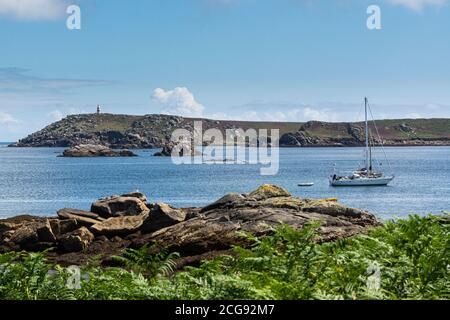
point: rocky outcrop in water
(90, 150)
(182, 150)
(125, 221)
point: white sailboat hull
(365, 176)
(361, 182)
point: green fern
(412, 257)
(150, 260)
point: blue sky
(286, 60)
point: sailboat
(365, 176)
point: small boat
(366, 176)
(306, 184)
(225, 161)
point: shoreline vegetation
(154, 131)
(404, 259)
(262, 245)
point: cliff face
(154, 131)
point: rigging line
(375, 155)
(373, 144)
(375, 159)
(379, 137)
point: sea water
(35, 181)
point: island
(154, 131)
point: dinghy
(306, 184)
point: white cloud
(56, 115)
(414, 115)
(8, 125)
(295, 114)
(320, 114)
(433, 107)
(179, 101)
(73, 110)
(285, 111)
(418, 5)
(7, 119)
(33, 9)
(327, 111)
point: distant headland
(154, 131)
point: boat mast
(368, 150)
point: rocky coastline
(322, 134)
(131, 221)
(154, 131)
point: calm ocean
(37, 182)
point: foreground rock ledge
(119, 222)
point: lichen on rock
(267, 191)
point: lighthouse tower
(98, 109)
